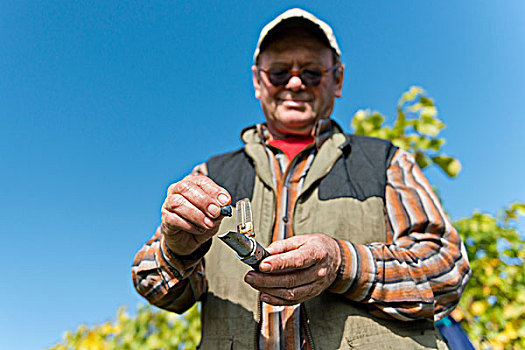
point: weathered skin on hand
(299, 268)
(191, 214)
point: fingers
(191, 212)
(192, 203)
(177, 205)
(289, 254)
(204, 194)
(287, 288)
(286, 245)
(300, 268)
(297, 259)
(186, 219)
(291, 296)
(285, 279)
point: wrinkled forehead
(296, 43)
(294, 34)
(302, 53)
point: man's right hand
(191, 213)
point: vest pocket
(343, 218)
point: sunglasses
(310, 76)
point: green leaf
(426, 101)
(429, 125)
(422, 160)
(436, 145)
(519, 208)
(451, 166)
(410, 95)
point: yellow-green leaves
(451, 166)
(416, 130)
(514, 210)
(493, 305)
(411, 94)
(427, 124)
(149, 329)
(369, 123)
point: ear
(339, 81)
(256, 82)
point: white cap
(304, 18)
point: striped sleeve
(422, 269)
(166, 280)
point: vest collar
(322, 131)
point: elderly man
(362, 255)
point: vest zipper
(258, 323)
(307, 327)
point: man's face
(295, 107)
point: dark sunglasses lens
(311, 76)
(278, 76)
(281, 76)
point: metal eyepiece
(226, 210)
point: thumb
(285, 245)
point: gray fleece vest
(343, 196)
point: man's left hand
(299, 268)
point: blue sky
(104, 104)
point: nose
(295, 83)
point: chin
(292, 122)
(296, 127)
(298, 120)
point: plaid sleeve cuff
(183, 265)
(357, 273)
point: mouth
(294, 102)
